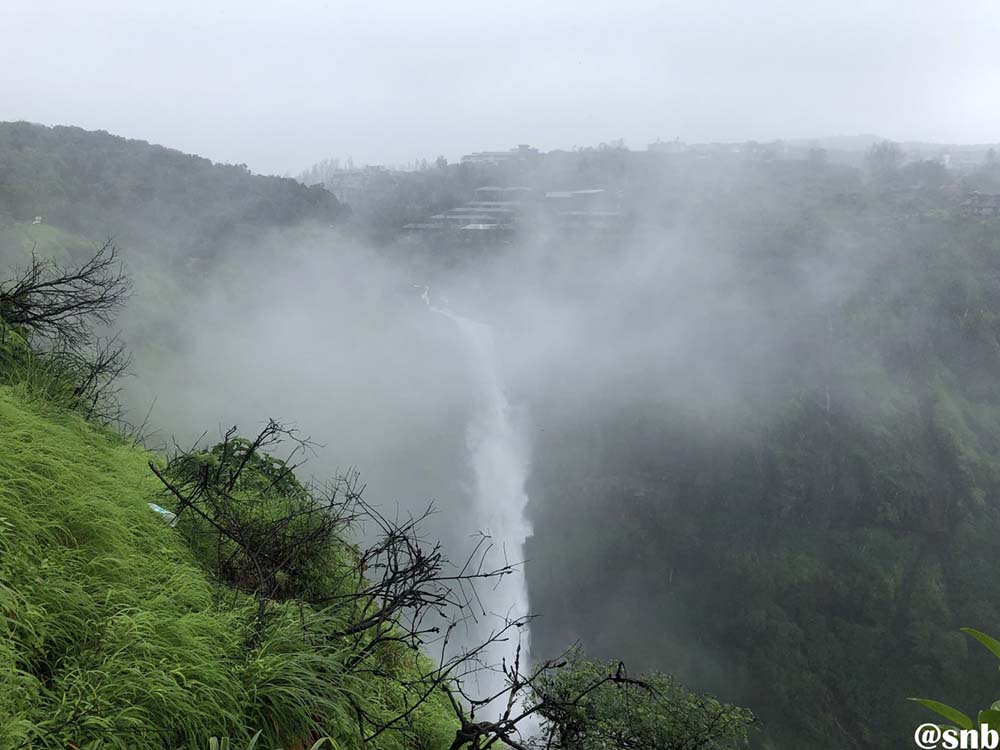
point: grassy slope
(112, 637)
(19, 239)
(108, 613)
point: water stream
(499, 459)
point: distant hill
(95, 184)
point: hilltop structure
(497, 213)
(523, 152)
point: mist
(683, 316)
(368, 352)
(388, 83)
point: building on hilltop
(593, 210)
(523, 152)
(496, 213)
(493, 213)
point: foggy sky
(279, 86)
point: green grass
(114, 629)
(19, 239)
(112, 636)
(38, 375)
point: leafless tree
(65, 303)
(388, 589)
(398, 591)
(570, 703)
(93, 374)
(60, 312)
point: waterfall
(499, 460)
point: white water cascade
(499, 459)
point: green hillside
(114, 637)
(156, 200)
(167, 601)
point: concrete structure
(523, 152)
(498, 212)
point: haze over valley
(590, 378)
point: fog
(278, 87)
(726, 402)
(436, 382)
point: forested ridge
(157, 199)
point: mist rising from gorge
(312, 326)
(725, 410)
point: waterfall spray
(499, 459)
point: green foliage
(809, 547)
(113, 626)
(254, 526)
(167, 203)
(18, 240)
(53, 376)
(989, 716)
(215, 743)
(113, 636)
(654, 711)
